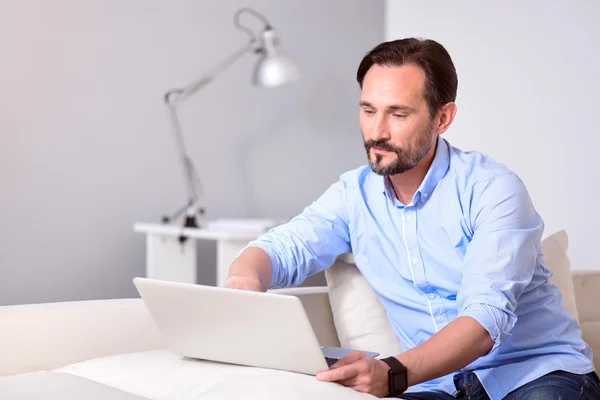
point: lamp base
(191, 218)
(190, 222)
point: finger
(351, 382)
(349, 359)
(339, 374)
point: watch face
(399, 382)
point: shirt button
(415, 260)
(425, 194)
(438, 319)
(409, 218)
(431, 296)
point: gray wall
(85, 145)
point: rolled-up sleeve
(501, 257)
(311, 241)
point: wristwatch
(397, 376)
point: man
(450, 242)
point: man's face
(394, 117)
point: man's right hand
(243, 283)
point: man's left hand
(359, 372)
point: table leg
(168, 259)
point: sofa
(111, 349)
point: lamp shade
(273, 67)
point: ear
(445, 116)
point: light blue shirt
(468, 244)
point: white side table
(167, 258)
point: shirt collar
(437, 170)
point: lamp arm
(179, 95)
(173, 99)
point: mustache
(384, 145)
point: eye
(399, 115)
(368, 112)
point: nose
(380, 128)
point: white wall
(85, 145)
(528, 95)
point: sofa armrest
(587, 294)
(47, 336)
(316, 304)
(590, 331)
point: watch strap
(394, 363)
(397, 376)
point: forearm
(457, 345)
(253, 264)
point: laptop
(266, 330)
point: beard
(406, 157)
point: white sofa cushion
(359, 318)
(161, 375)
(556, 259)
(361, 321)
(57, 386)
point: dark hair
(441, 81)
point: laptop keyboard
(331, 361)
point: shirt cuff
(498, 323)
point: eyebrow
(393, 107)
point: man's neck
(406, 184)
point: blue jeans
(553, 386)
